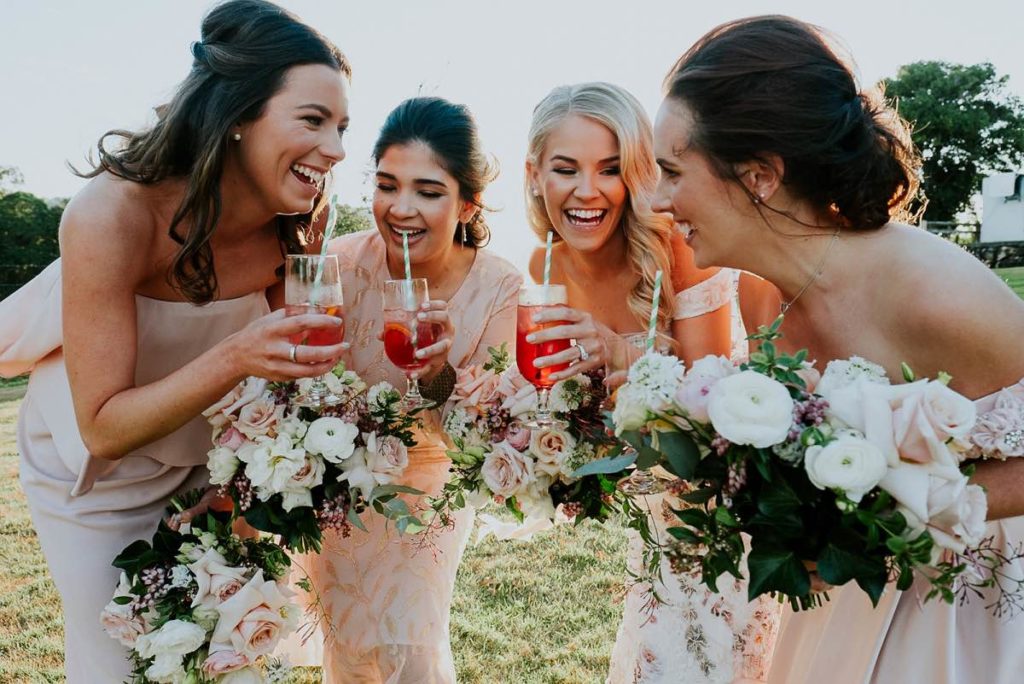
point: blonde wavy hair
(648, 235)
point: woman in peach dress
(386, 597)
(132, 333)
(779, 165)
(589, 178)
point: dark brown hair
(772, 86)
(247, 47)
(450, 131)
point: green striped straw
(547, 260)
(652, 328)
(332, 220)
(410, 297)
(405, 250)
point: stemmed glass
(625, 350)
(404, 334)
(532, 300)
(313, 285)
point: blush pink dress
(86, 510)
(904, 639)
(387, 597)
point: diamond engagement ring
(584, 355)
(291, 353)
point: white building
(1002, 218)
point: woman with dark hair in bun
(386, 597)
(775, 162)
(171, 259)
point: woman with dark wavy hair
(171, 258)
(775, 162)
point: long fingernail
(535, 318)
(422, 316)
(531, 337)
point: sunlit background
(73, 70)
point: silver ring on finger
(291, 353)
(584, 354)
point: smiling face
(286, 153)
(712, 212)
(416, 196)
(580, 182)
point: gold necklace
(814, 276)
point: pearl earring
(536, 192)
(236, 137)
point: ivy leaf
(682, 453)
(837, 565)
(776, 570)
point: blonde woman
(590, 174)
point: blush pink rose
(221, 662)
(248, 390)
(474, 387)
(231, 439)
(253, 621)
(259, 417)
(695, 389)
(925, 420)
(518, 436)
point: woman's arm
(101, 269)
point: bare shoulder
(112, 222)
(949, 307)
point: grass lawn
(544, 611)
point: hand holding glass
(532, 300)
(405, 334)
(313, 285)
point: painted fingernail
(422, 316)
(531, 337)
(419, 354)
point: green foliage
(28, 236)
(966, 124)
(352, 219)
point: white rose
(119, 620)
(249, 675)
(695, 390)
(842, 373)
(222, 464)
(505, 471)
(750, 408)
(937, 497)
(386, 457)
(551, 447)
(175, 638)
(332, 438)
(273, 464)
(254, 619)
(217, 581)
(849, 464)
(293, 426)
(925, 421)
(630, 413)
(166, 669)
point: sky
(72, 70)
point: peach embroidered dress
(86, 510)
(695, 636)
(904, 639)
(387, 597)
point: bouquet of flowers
(857, 477)
(534, 473)
(295, 471)
(201, 604)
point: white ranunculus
(630, 412)
(505, 471)
(175, 638)
(216, 579)
(750, 408)
(222, 464)
(849, 464)
(552, 448)
(254, 619)
(332, 438)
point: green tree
(28, 237)
(9, 177)
(352, 219)
(966, 124)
